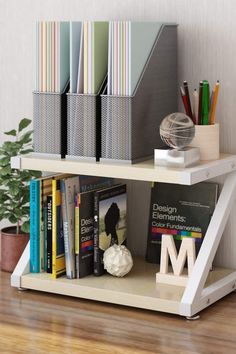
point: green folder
(99, 54)
(142, 39)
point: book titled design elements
(84, 230)
(181, 211)
(84, 224)
(110, 207)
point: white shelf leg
(195, 298)
(21, 268)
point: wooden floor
(33, 322)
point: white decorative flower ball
(117, 260)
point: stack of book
(73, 220)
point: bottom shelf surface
(137, 289)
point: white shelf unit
(139, 289)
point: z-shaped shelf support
(196, 297)
(21, 268)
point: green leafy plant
(14, 183)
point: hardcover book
(49, 234)
(181, 211)
(84, 215)
(58, 250)
(40, 188)
(69, 189)
(84, 224)
(34, 226)
(110, 207)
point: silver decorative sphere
(117, 260)
(177, 130)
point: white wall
(207, 49)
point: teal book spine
(34, 226)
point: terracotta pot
(12, 247)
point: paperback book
(84, 225)
(110, 206)
(181, 211)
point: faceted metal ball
(177, 130)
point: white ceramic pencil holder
(207, 139)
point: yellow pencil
(214, 102)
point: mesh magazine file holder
(84, 125)
(50, 123)
(130, 124)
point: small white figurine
(117, 260)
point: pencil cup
(207, 140)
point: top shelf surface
(142, 171)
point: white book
(69, 189)
(75, 38)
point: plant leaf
(13, 189)
(28, 151)
(12, 219)
(4, 161)
(5, 171)
(25, 227)
(26, 198)
(25, 138)
(23, 124)
(36, 174)
(11, 132)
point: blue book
(34, 226)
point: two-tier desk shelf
(139, 288)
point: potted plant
(14, 195)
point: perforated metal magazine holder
(50, 127)
(130, 124)
(84, 125)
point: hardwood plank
(34, 322)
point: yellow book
(58, 252)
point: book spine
(49, 234)
(45, 222)
(98, 267)
(41, 226)
(86, 235)
(58, 250)
(34, 227)
(77, 222)
(68, 256)
(54, 229)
